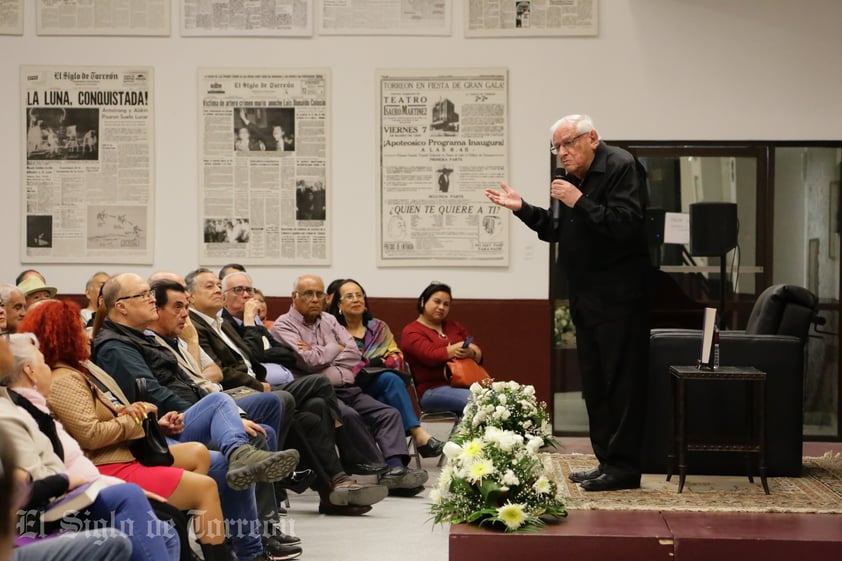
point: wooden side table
(755, 411)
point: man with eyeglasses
(326, 348)
(126, 352)
(317, 412)
(600, 230)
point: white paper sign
(677, 228)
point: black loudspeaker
(713, 228)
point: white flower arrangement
(495, 474)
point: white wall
(659, 69)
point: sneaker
(248, 465)
(403, 478)
(277, 551)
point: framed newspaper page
(11, 17)
(264, 178)
(530, 18)
(384, 17)
(103, 17)
(88, 178)
(443, 138)
(257, 18)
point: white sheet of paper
(677, 227)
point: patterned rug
(819, 490)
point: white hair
(583, 123)
(227, 279)
(23, 347)
(6, 291)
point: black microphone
(555, 204)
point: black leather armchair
(774, 343)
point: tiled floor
(400, 528)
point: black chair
(773, 342)
(429, 417)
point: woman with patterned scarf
(381, 372)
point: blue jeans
(125, 507)
(240, 511)
(215, 421)
(267, 409)
(445, 398)
(104, 544)
(387, 387)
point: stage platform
(651, 536)
(602, 535)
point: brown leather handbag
(462, 372)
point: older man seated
(222, 342)
(14, 304)
(325, 347)
(35, 290)
(127, 353)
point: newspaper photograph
(443, 140)
(257, 18)
(103, 17)
(384, 17)
(11, 17)
(530, 18)
(263, 177)
(88, 172)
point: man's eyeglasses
(350, 297)
(311, 294)
(238, 290)
(143, 295)
(566, 144)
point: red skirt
(161, 480)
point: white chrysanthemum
(498, 386)
(509, 478)
(472, 449)
(445, 478)
(479, 470)
(502, 399)
(529, 390)
(512, 515)
(512, 385)
(542, 486)
(435, 497)
(451, 449)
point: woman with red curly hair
(96, 413)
